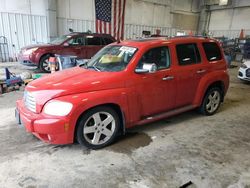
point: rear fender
(207, 81)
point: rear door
(190, 70)
(92, 45)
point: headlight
(243, 66)
(29, 51)
(57, 108)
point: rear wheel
(211, 101)
(98, 127)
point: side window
(90, 40)
(107, 40)
(188, 54)
(159, 56)
(212, 51)
(76, 41)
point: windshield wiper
(93, 67)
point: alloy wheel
(99, 128)
(213, 101)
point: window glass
(159, 56)
(212, 51)
(76, 41)
(112, 58)
(61, 39)
(107, 40)
(91, 40)
(188, 54)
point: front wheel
(98, 127)
(44, 63)
(211, 101)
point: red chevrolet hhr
(123, 85)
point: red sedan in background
(82, 45)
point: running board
(165, 114)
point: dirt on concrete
(210, 151)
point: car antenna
(71, 30)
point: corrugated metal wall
(131, 30)
(63, 25)
(21, 30)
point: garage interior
(187, 150)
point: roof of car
(88, 33)
(165, 40)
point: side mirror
(147, 68)
(66, 44)
(81, 62)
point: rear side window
(212, 51)
(90, 40)
(107, 40)
(188, 54)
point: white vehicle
(244, 71)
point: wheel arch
(51, 54)
(115, 107)
(218, 84)
(203, 88)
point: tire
(211, 102)
(44, 63)
(98, 128)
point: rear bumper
(48, 129)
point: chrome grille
(248, 72)
(30, 101)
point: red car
(82, 45)
(123, 85)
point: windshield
(60, 40)
(112, 58)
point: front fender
(84, 101)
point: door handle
(200, 71)
(167, 78)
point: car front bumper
(244, 74)
(47, 128)
(26, 60)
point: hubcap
(46, 65)
(99, 128)
(213, 101)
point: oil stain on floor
(129, 142)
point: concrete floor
(209, 151)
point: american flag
(110, 17)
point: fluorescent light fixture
(223, 2)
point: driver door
(76, 44)
(156, 91)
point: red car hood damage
(72, 81)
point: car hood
(72, 81)
(37, 46)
